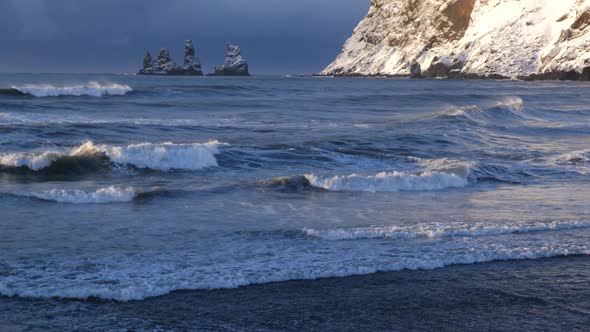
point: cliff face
(529, 39)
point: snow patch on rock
(164, 65)
(234, 64)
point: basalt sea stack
(163, 64)
(234, 65)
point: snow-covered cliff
(528, 39)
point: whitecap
(92, 88)
(511, 101)
(389, 181)
(105, 195)
(157, 156)
(34, 162)
(464, 168)
(504, 110)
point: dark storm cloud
(288, 36)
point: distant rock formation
(234, 65)
(523, 39)
(192, 65)
(147, 61)
(163, 64)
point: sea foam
(439, 230)
(125, 277)
(389, 181)
(105, 195)
(157, 156)
(162, 156)
(92, 88)
(34, 162)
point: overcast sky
(276, 36)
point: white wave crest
(93, 89)
(438, 230)
(101, 196)
(157, 156)
(389, 182)
(575, 157)
(509, 106)
(462, 168)
(28, 160)
(162, 156)
(515, 102)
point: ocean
(121, 189)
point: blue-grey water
(126, 187)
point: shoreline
(549, 293)
(572, 76)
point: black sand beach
(536, 295)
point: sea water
(127, 187)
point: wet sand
(545, 294)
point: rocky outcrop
(234, 65)
(192, 64)
(164, 65)
(147, 60)
(526, 39)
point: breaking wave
(473, 171)
(101, 196)
(435, 174)
(89, 156)
(54, 163)
(577, 157)
(93, 89)
(116, 277)
(288, 184)
(389, 181)
(509, 109)
(11, 92)
(163, 156)
(439, 230)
